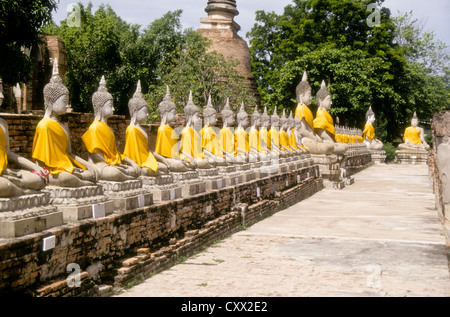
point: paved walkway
(380, 236)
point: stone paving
(380, 236)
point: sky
(435, 13)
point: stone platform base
(192, 187)
(165, 192)
(411, 157)
(127, 195)
(81, 202)
(378, 156)
(28, 214)
(328, 166)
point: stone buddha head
(102, 101)
(167, 108)
(370, 116)
(303, 91)
(138, 106)
(192, 113)
(242, 117)
(275, 119)
(56, 95)
(324, 97)
(265, 119)
(283, 120)
(256, 118)
(415, 120)
(291, 122)
(209, 114)
(227, 114)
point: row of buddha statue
(260, 138)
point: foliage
(194, 68)
(390, 150)
(362, 64)
(20, 22)
(159, 55)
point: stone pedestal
(329, 166)
(28, 214)
(378, 156)
(127, 195)
(212, 179)
(231, 176)
(161, 187)
(411, 156)
(80, 202)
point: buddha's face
(256, 121)
(60, 105)
(306, 97)
(107, 109)
(326, 103)
(142, 115)
(211, 119)
(414, 122)
(371, 119)
(171, 115)
(196, 120)
(244, 122)
(265, 123)
(230, 120)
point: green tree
(20, 22)
(332, 41)
(194, 68)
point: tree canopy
(20, 23)
(159, 55)
(361, 62)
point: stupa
(222, 30)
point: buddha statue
(100, 142)
(210, 141)
(16, 182)
(166, 147)
(226, 135)
(414, 137)
(51, 143)
(136, 138)
(291, 135)
(275, 135)
(241, 138)
(265, 137)
(323, 123)
(313, 143)
(284, 137)
(254, 138)
(191, 142)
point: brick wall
(132, 245)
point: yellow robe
(3, 155)
(50, 145)
(275, 137)
(265, 138)
(360, 139)
(284, 141)
(136, 149)
(293, 140)
(210, 141)
(324, 121)
(303, 112)
(226, 138)
(369, 131)
(99, 139)
(241, 140)
(254, 140)
(166, 142)
(191, 144)
(413, 135)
